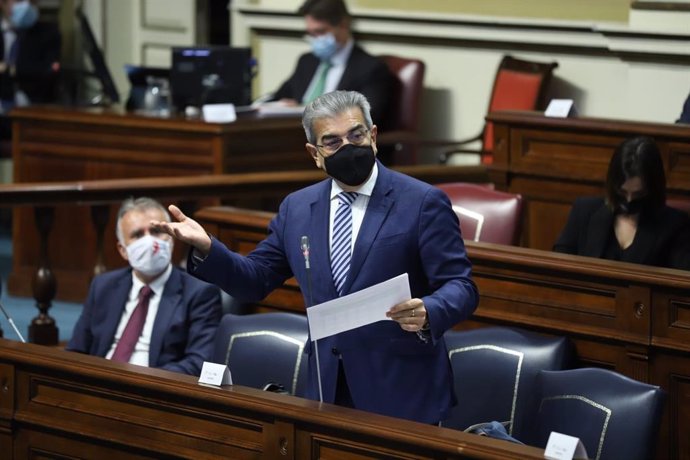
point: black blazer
(364, 73)
(38, 48)
(662, 238)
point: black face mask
(632, 207)
(351, 164)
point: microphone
(304, 244)
(10, 320)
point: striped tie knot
(342, 240)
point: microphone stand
(307, 267)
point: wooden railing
(100, 196)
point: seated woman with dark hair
(633, 223)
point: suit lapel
(311, 64)
(600, 226)
(320, 244)
(350, 69)
(115, 306)
(380, 204)
(172, 295)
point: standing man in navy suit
(151, 314)
(398, 225)
(335, 56)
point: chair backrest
(495, 370)
(264, 348)
(614, 416)
(406, 92)
(493, 217)
(519, 85)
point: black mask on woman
(351, 164)
(632, 207)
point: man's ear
(314, 154)
(123, 251)
(374, 131)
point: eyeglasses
(332, 143)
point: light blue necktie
(342, 240)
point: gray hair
(140, 204)
(332, 104)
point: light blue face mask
(323, 46)
(24, 15)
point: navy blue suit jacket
(184, 329)
(409, 227)
(364, 73)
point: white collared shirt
(140, 355)
(335, 73)
(359, 206)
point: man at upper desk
(150, 314)
(336, 61)
(365, 224)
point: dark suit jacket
(409, 227)
(38, 48)
(184, 329)
(662, 239)
(364, 73)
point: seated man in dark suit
(150, 313)
(336, 61)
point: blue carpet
(23, 309)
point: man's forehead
(340, 123)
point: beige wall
(611, 70)
(583, 10)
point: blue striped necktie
(342, 240)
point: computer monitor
(100, 69)
(210, 74)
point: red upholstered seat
(519, 85)
(485, 214)
(402, 120)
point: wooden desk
(552, 161)
(57, 404)
(630, 318)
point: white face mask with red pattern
(149, 255)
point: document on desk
(357, 309)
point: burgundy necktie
(130, 336)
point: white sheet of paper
(357, 309)
(559, 108)
(563, 447)
(279, 108)
(215, 374)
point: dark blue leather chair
(614, 416)
(495, 371)
(264, 348)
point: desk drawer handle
(639, 310)
(283, 446)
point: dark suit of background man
(177, 328)
(398, 225)
(328, 27)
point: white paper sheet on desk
(357, 309)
